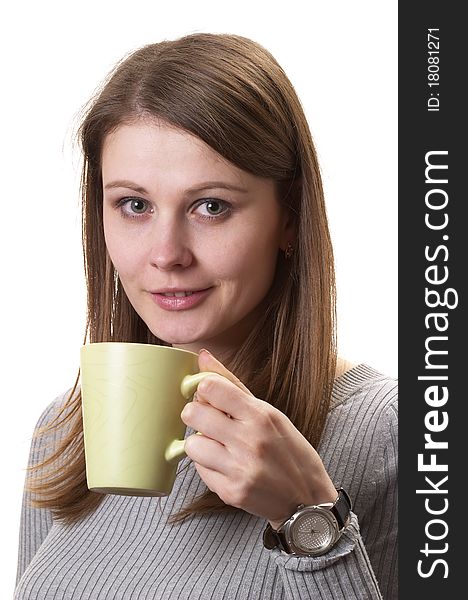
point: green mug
(132, 397)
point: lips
(177, 299)
(177, 294)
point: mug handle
(176, 449)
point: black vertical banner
(433, 354)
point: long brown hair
(231, 93)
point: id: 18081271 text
(433, 77)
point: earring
(289, 251)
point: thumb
(207, 362)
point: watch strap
(271, 539)
(341, 508)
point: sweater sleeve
(362, 565)
(35, 523)
(344, 573)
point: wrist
(326, 495)
(312, 530)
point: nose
(169, 247)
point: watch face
(313, 531)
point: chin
(176, 336)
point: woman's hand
(250, 454)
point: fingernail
(205, 351)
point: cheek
(122, 252)
(251, 263)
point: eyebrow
(206, 185)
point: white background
(341, 56)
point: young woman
(205, 228)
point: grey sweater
(127, 550)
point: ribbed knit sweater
(127, 550)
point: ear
(288, 232)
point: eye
(212, 208)
(137, 205)
(133, 207)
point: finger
(212, 422)
(225, 396)
(207, 453)
(207, 362)
(214, 480)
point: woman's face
(194, 239)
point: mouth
(175, 294)
(178, 299)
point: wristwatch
(311, 530)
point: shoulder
(366, 394)
(53, 409)
(360, 438)
(56, 411)
(51, 425)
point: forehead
(148, 146)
